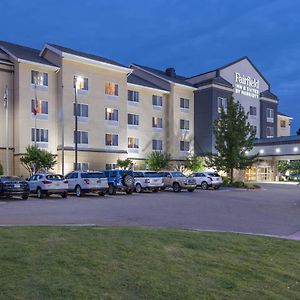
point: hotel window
(110, 166)
(133, 119)
(222, 102)
(39, 78)
(82, 137)
(270, 132)
(111, 139)
(82, 110)
(111, 88)
(82, 166)
(184, 103)
(157, 145)
(253, 128)
(184, 124)
(82, 84)
(41, 135)
(133, 143)
(270, 115)
(111, 114)
(39, 107)
(133, 96)
(156, 122)
(252, 111)
(157, 100)
(184, 146)
(282, 123)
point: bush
(239, 184)
(1, 170)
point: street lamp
(78, 81)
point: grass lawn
(138, 263)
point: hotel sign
(247, 86)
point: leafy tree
(158, 160)
(294, 167)
(125, 164)
(283, 166)
(37, 160)
(234, 137)
(298, 132)
(1, 169)
(194, 163)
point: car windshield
(177, 174)
(152, 174)
(213, 174)
(93, 175)
(54, 177)
(10, 178)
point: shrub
(1, 169)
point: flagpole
(7, 131)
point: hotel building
(123, 112)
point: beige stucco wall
(283, 131)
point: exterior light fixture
(295, 149)
(277, 150)
(261, 151)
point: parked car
(206, 180)
(147, 180)
(120, 181)
(177, 181)
(82, 182)
(13, 186)
(48, 184)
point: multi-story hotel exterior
(123, 112)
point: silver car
(48, 184)
(177, 181)
(206, 180)
(147, 180)
(82, 182)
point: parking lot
(273, 210)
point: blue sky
(193, 36)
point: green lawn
(137, 263)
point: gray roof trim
(278, 140)
(284, 115)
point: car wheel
(138, 188)
(78, 191)
(128, 180)
(216, 187)
(64, 195)
(101, 193)
(39, 193)
(24, 197)
(191, 190)
(155, 190)
(176, 187)
(111, 190)
(129, 192)
(162, 188)
(204, 185)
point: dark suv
(13, 186)
(120, 181)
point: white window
(157, 122)
(133, 143)
(252, 111)
(39, 135)
(283, 123)
(82, 166)
(111, 88)
(111, 114)
(184, 124)
(82, 83)
(111, 139)
(82, 110)
(133, 96)
(184, 103)
(222, 102)
(270, 115)
(184, 146)
(82, 137)
(39, 78)
(133, 119)
(157, 100)
(39, 107)
(111, 166)
(157, 145)
(270, 132)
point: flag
(5, 98)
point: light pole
(7, 129)
(77, 84)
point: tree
(1, 169)
(37, 160)
(125, 164)
(234, 137)
(294, 167)
(157, 160)
(283, 166)
(194, 163)
(298, 132)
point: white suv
(207, 179)
(82, 182)
(147, 180)
(47, 184)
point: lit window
(222, 103)
(157, 145)
(39, 135)
(39, 107)
(184, 146)
(111, 114)
(133, 96)
(184, 103)
(282, 123)
(82, 83)
(270, 132)
(39, 78)
(133, 119)
(270, 115)
(184, 124)
(111, 139)
(82, 110)
(156, 122)
(82, 137)
(157, 100)
(111, 89)
(252, 111)
(133, 143)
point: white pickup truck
(147, 180)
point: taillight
(86, 181)
(46, 182)
(147, 180)
(66, 181)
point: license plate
(17, 186)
